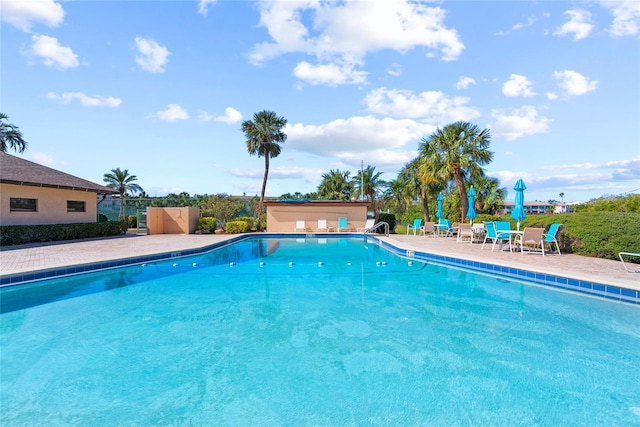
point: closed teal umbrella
(518, 209)
(471, 212)
(440, 200)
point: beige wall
(282, 216)
(51, 205)
(172, 220)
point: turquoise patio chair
(445, 227)
(417, 225)
(550, 237)
(494, 236)
(343, 224)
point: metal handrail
(378, 225)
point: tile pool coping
(592, 288)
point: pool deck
(45, 256)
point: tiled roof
(14, 170)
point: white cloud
(464, 82)
(574, 83)
(52, 53)
(432, 106)
(85, 101)
(518, 26)
(231, 116)
(22, 14)
(626, 17)
(518, 123)
(203, 6)
(388, 142)
(151, 56)
(172, 113)
(552, 96)
(42, 158)
(343, 33)
(329, 74)
(395, 70)
(579, 24)
(517, 85)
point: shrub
(235, 227)
(21, 234)
(208, 224)
(412, 213)
(390, 219)
(132, 221)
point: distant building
(32, 194)
(537, 207)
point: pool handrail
(376, 226)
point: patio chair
(343, 224)
(550, 237)
(367, 226)
(322, 225)
(478, 231)
(445, 228)
(300, 226)
(532, 238)
(416, 226)
(628, 254)
(492, 234)
(464, 232)
(429, 227)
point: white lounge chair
(367, 226)
(300, 226)
(323, 226)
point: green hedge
(207, 223)
(390, 219)
(236, 226)
(21, 234)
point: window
(74, 206)
(23, 205)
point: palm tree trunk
(121, 215)
(425, 205)
(464, 200)
(264, 187)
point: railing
(376, 226)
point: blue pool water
(324, 332)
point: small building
(538, 207)
(283, 215)
(32, 194)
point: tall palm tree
(10, 136)
(264, 135)
(123, 183)
(461, 149)
(335, 185)
(423, 177)
(398, 195)
(367, 182)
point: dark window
(73, 206)
(23, 205)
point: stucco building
(32, 194)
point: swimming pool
(323, 332)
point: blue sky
(161, 88)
